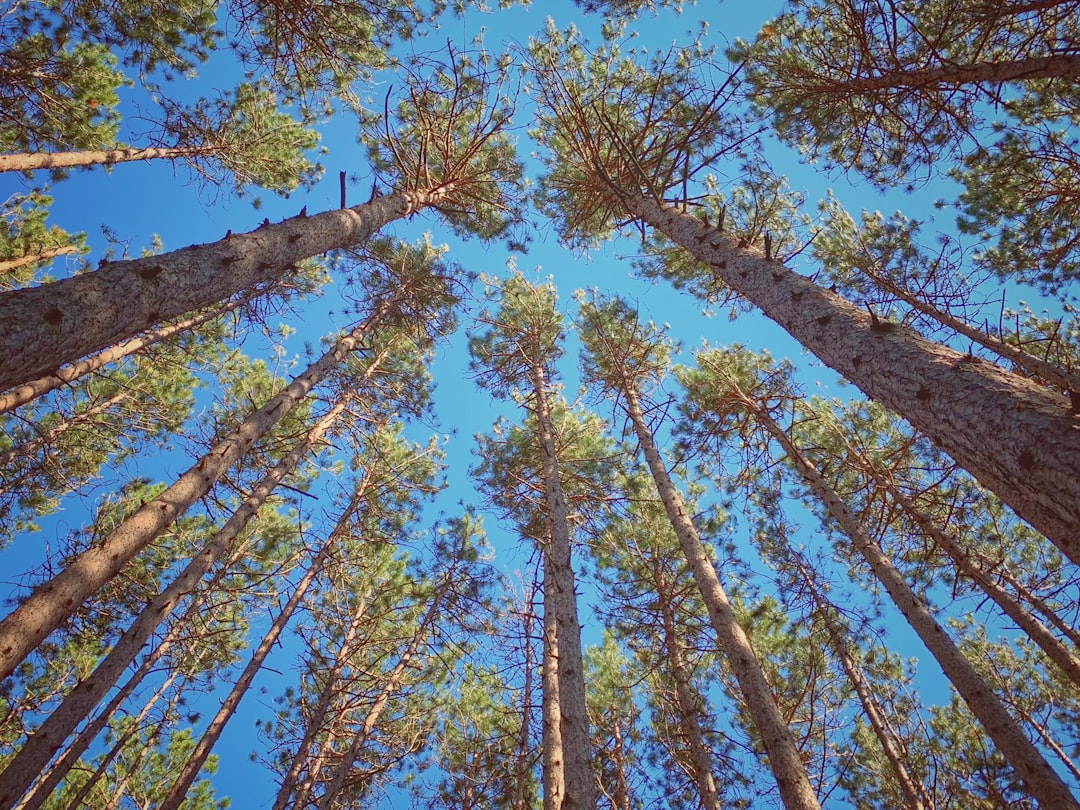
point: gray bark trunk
(53, 601)
(1054, 66)
(1018, 439)
(31, 161)
(551, 712)
(35, 388)
(580, 780)
(784, 760)
(44, 327)
(1010, 739)
(50, 735)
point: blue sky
(137, 201)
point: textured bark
(44, 327)
(50, 735)
(701, 761)
(393, 682)
(64, 763)
(30, 161)
(551, 712)
(1017, 438)
(1041, 779)
(53, 601)
(33, 258)
(574, 721)
(67, 374)
(1055, 66)
(784, 760)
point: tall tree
(514, 352)
(720, 386)
(447, 148)
(625, 362)
(621, 146)
(407, 290)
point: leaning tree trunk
(1055, 66)
(33, 389)
(1037, 774)
(7, 265)
(56, 772)
(875, 713)
(44, 327)
(1018, 439)
(31, 161)
(687, 703)
(784, 760)
(52, 602)
(580, 780)
(50, 735)
(393, 682)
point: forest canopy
(630, 404)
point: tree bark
(45, 327)
(574, 722)
(30, 161)
(52, 602)
(784, 760)
(1018, 439)
(34, 258)
(1041, 779)
(1054, 66)
(50, 735)
(66, 374)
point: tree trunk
(7, 265)
(700, 759)
(284, 796)
(784, 760)
(1010, 739)
(53, 601)
(110, 756)
(1055, 66)
(30, 161)
(1018, 439)
(551, 712)
(67, 760)
(914, 794)
(44, 327)
(27, 449)
(574, 722)
(393, 682)
(50, 735)
(67, 374)
(191, 768)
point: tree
(409, 287)
(718, 388)
(518, 346)
(452, 155)
(614, 154)
(242, 136)
(625, 361)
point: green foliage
(25, 232)
(58, 96)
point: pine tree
(615, 153)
